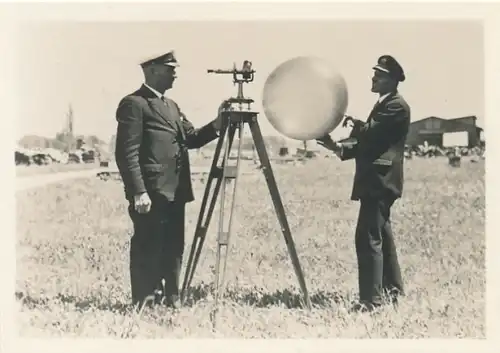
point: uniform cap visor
(380, 68)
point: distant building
(432, 130)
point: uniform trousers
(156, 248)
(378, 266)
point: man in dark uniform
(152, 140)
(377, 146)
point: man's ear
(150, 70)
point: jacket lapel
(373, 112)
(175, 120)
(158, 107)
(378, 105)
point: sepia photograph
(262, 178)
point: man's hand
(217, 123)
(348, 119)
(327, 142)
(142, 203)
(352, 122)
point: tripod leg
(204, 219)
(278, 206)
(229, 172)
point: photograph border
(14, 15)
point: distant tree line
(63, 141)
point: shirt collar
(158, 94)
(383, 97)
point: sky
(91, 66)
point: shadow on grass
(253, 297)
(80, 303)
(259, 298)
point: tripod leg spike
(278, 206)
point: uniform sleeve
(128, 142)
(386, 128)
(196, 138)
(349, 150)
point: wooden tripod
(236, 119)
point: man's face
(165, 76)
(382, 83)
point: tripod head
(240, 76)
(246, 73)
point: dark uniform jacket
(151, 146)
(379, 151)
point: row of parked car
(47, 156)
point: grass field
(23, 170)
(72, 259)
